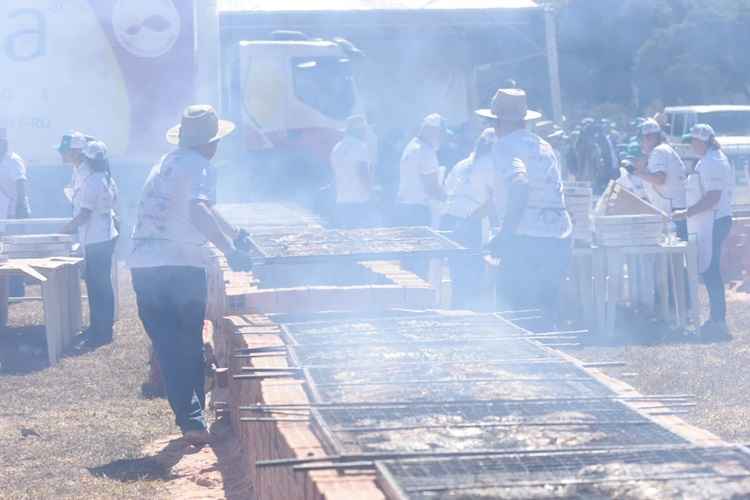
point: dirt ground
(716, 373)
(82, 429)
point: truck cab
(291, 96)
(732, 126)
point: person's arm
(206, 221)
(654, 171)
(364, 173)
(708, 202)
(432, 186)
(22, 207)
(228, 229)
(79, 220)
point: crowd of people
(513, 179)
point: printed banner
(119, 70)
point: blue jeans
(172, 306)
(99, 289)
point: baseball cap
(650, 126)
(73, 140)
(702, 132)
(95, 150)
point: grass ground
(78, 430)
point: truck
(732, 126)
(288, 72)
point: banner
(119, 70)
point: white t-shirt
(419, 158)
(468, 186)
(346, 159)
(12, 170)
(522, 152)
(671, 195)
(164, 234)
(99, 195)
(716, 174)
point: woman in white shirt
(468, 188)
(709, 216)
(94, 200)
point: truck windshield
(727, 123)
(326, 84)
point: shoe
(715, 331)
(197, 438)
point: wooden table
(599, 273)
(60, 278)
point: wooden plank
(52, 317)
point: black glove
(242, 241)
(240, 261)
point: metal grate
(417, 328)
(445, 382)
(721, 472)
(357, 244)
(495, 425)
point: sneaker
(197, 438)
(715, 331)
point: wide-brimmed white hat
(199, 125)
(702, 132)
(509, 105)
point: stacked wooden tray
(578, 201)
(629, 230)
(29, 246)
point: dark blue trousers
(172, 307)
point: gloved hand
(242, 241)
(240, 261)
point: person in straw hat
(534, 242)
(175, 221)
(353, 176)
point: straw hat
(509, 105)
(199, 125)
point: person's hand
(240, 261)
(679, 215)
(242, 241)
(67, 229)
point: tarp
(240, 6)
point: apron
(702, 224)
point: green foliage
(645, 51)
